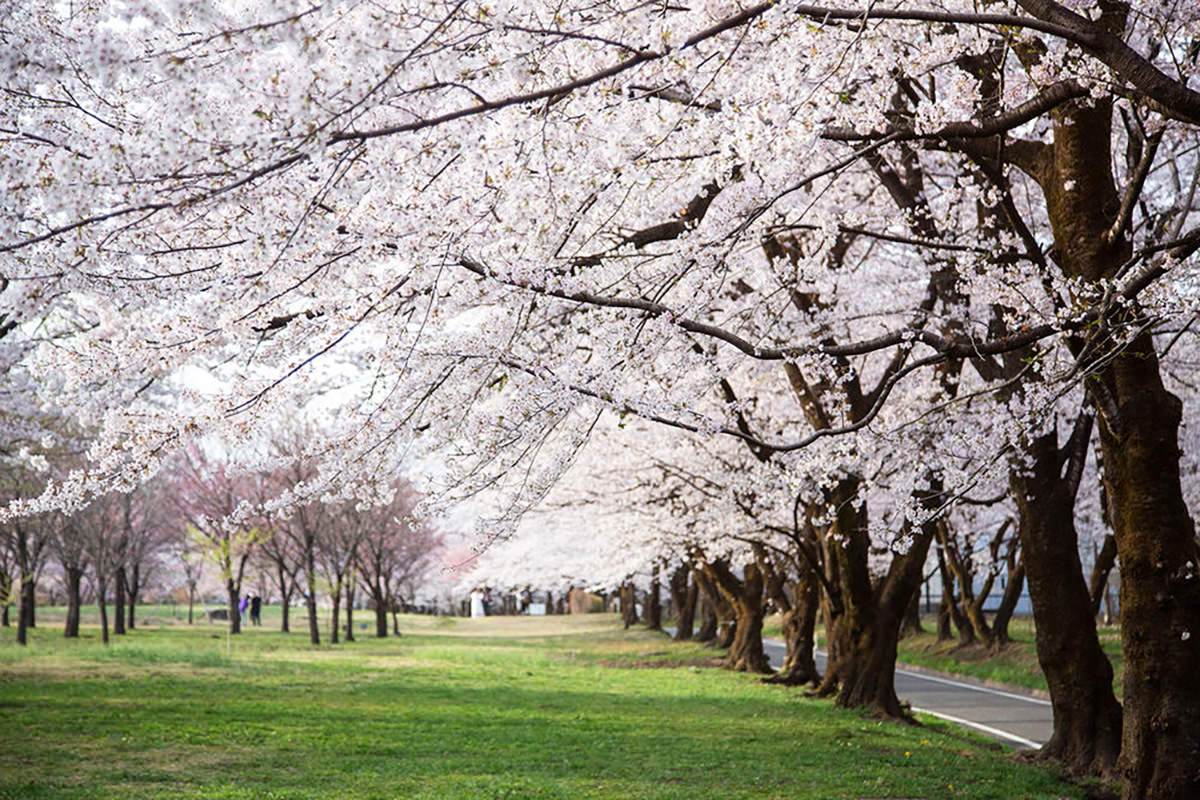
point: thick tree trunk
(654, 602)
(381, 620)
(119, 602)
(1160, 581)
(707, 604)
(629, 613)
(349, 611)
(864, 635)
(746, 597)
(683, 596)
(191, 603)
(1138, 424)
(74, 578)
(799, 623)
(1087, 717)
(29, 603)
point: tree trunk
(134, 587)
(799, 623)
(349, 611)
(683, 596)
(336, 595)
(864, 635)
(954, 613)
(746, 597)
(74, 578)
(629, 613)
(1160, 582)
(708, 607)
(119, 602)
(29, 603)
(235, 614)
(22, 615)
(654, 602)
(1008, 601)
(911, 624)
(945, 631)
(1098, 583)
(1087, 717)
(191, 602)
(102, 602)
(286, 588)
(1138, 425)
(381, 620)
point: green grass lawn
(559, 707)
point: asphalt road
(1010, 716)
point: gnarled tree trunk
(683, 596)
(746, 598)
(1087, 718)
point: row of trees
(842, 271)
(196, 517)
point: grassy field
(559, 707)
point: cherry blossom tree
(515, 220)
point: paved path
(1010, 715)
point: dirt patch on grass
(661, 663)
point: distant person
(487, 601)
(477, 609)
(256, 610)
(524, 599)
(245, 601)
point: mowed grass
(560, 707)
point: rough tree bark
(1087, 717)
(654, 601)
(629, 613)
(745, 596)
(797, 603)
(683, 596)
(1138, 425)
(706, 606)
(865, 626)
(74, 576)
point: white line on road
(977, 726)
(1035, 700)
